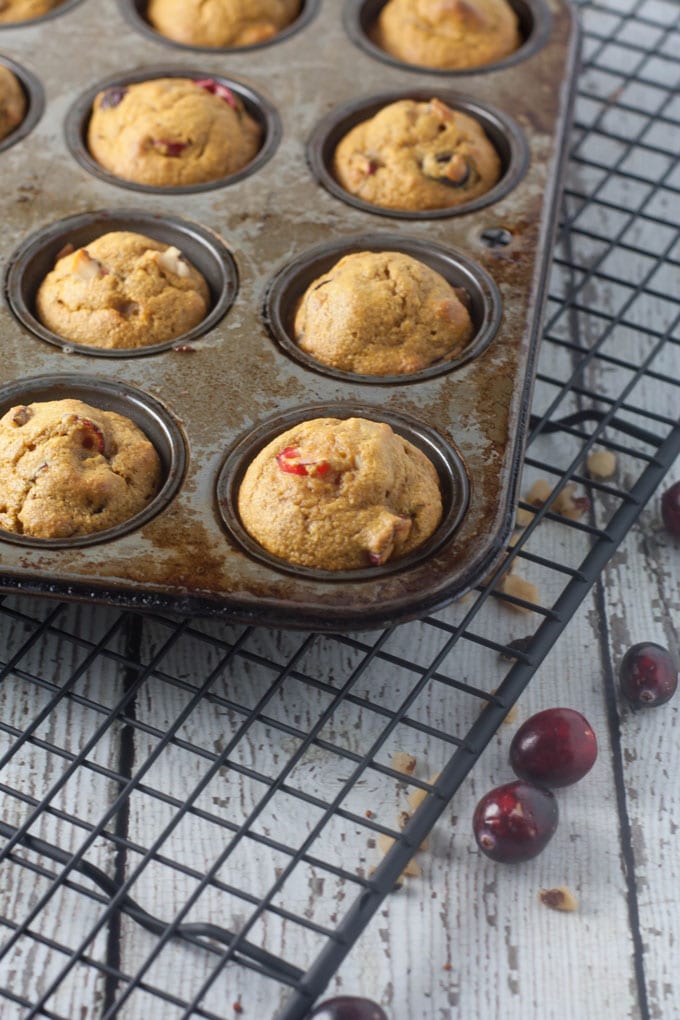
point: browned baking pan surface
(211, 400)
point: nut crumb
(539, 493)
(412, 869)
(601, 463)
(404, 762)
(447, 966)
(513, 584)
(571, 506)
(559, 898)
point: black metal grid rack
(203, 747)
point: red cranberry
(515, 822)
(348, 1007)
(670, 509)
(648, 675)
(554, 748)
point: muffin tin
(211, 399)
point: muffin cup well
(291, 282)
(78, 118)
(504, 134)
(453, 480)
(134, 11)
(62, 8)
(152, 418)
(34, 259)
(35, 102)
(534, 25)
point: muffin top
(122, 290)
(416, 156)
(172, 131)
(382, 313)
(340, 494)
(24, 10)
(221, 22)
(447, 34)
(12, 102)
(69, 469)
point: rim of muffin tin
(36, 256)
(453, 478)
(78, 118)
(56, 12)
(534, 18)
(159, 426)
(134, 12)
(35, 102)
(505, 135)
(290, 283)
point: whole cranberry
(670, 509)
(647, 675)
(515, 822)
(555, 747)
(348, 1007)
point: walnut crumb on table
(559, 898)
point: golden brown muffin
(381, 313)
(24, 10)
(417, 156)
(69, 469)
(172, 131)
(447, 34)
(340, 494)
(12, 102)
(123, 290)
(221, 22)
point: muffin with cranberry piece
(447, 34)
(221, 23)
(12, 102)
(340, 494)
(13, 11)
(70, 469)
(417, 156)
(382, 313)
(123, 290)
(168, 132)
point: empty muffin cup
(504, 135)
(101, 395)
(36, 257)
(476, 288)
(533, 18)
(34, 96)
(135, 12)
(113, 90)
(444, 464)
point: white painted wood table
(210, 724)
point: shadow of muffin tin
(211, 399)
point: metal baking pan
(210, 400)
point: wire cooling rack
(173, 789)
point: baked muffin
(415, 156)
(12, 11)
(172, 131)
(447, 34)
(68, 469)
(122, 290)
(340, 494)
(382, 313)
(12, 102)
(221, 22)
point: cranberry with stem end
(556, 747)
(648, 675)
(515, 822)
(348, 1007)
(670, 509)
